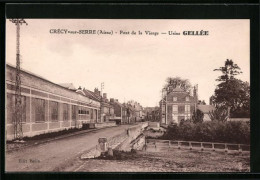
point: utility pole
(18, 114)
(101, 101)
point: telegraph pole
(18, 114)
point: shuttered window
(175, 108)
(187, 108)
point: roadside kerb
(58, 138)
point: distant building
(152, 113)
(106, 109)
(137, 109)
(119, 110)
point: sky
(132, 67)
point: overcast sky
(132, 67)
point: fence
(156, 143)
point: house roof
(91, 94)
(177, 89)
(206, 108)
(118, 103)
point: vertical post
(201, 146)
(213, 146)
(18, 114)
(190, 145)
(179, 146)
(226, 148)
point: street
(56, 154)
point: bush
(212, 131)
(197, 116)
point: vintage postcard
(127, 95)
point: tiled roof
(206, 108)
(91, 94)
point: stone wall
(132, 138)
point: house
(177, 105)
(206, 109)
(118, 110)
(107, 110)
(137, 109)
(129, 114)
(152, 113)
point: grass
(52, 134)
(169, 161)
(13, 145)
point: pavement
(56, 154)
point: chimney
(111, 100)
(96, 91)
(80, 87)
(105, 95)
(116, 100)
(170, 88)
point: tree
(201, 102)
(232, 94)
(197, 116)
(229, 71)
(219, 114)
(177, 81)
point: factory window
(54, 110)
(39, 106)
(74, 112)
(187, 98)
(11, 108)
(174, 98)
(65, 112)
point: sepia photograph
(127, 95)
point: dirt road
(54, 155)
